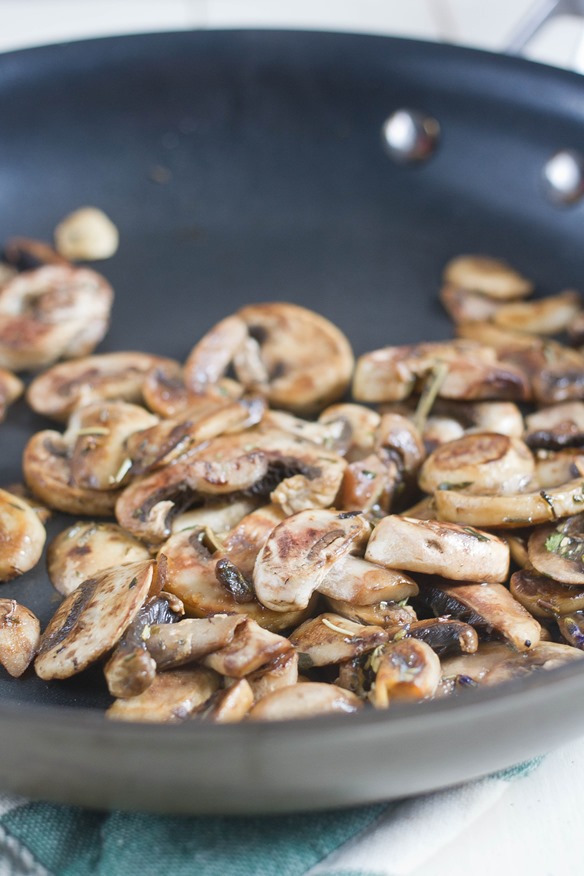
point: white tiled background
(481, 23)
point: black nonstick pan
(251, 166)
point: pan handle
(535, 18)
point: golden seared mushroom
(463, 306)
(169, 439)
(449, 420)
(22, 535)
(544, 316)
(571, 626)
(299, 553)
(557, 551)
(189, 640)
(51, 313)
(86, 234)
(332, 435)
(544, 597)
(98, 434)
(330, 638)
(104, 377)
(489, 607)
(21, 491)
(91, 620)
(297, 358)
(83, 550)
(46, 467)
(131, 668)
(165, 392)
(400, 438)
(281, 672)
(369, 485)
(217, 515)
(486, 460)
(361, 424)
(555, 373)
(556, 467)
(305, 700)
(228, 706)
(458, 552)
(459, 369)
(19, 636)
(555, 427)
(445, 635)
(404, 670)
(251, 648)
(391, 616)
(495, 662)
(361, 582)
(488, 276)
(11, 388)
(172, 697)
(509, 510)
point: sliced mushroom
(228, 706)
(298, 358)
(487, 275)
(19, 636)
(400, 438)
(251, 647)
(571, 626)
(464, 306)
(47, 472)
(86, 234)
(98, 435)
(21, 491)
(131, 668)
(26, 253)
(11, 388)
(330, 638)
(555, 372)
(369, 485)
(487, 606)
(51, 313)
(361, 582)
(445, 635)
(554, 468)
(494, 336)
(300, 551)
(458, 552)
(85, 549)
(305, 700)
(484, 459)
(282, 672)
(543, 316)
(332, 435)
(510, 510)
(404, 670)
(544, 597)
(557, 551)
(361, 425)
(555, 427)
(172, 697)
(166, 394)
(22, 536)
(495, 662)
(105, 377)
(174, 644)
(391, 616)
(91, 620)
(217, 515)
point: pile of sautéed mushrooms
(251, 546)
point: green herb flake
(553, 541)
(369, 474)
(446, 485)
(475, 533)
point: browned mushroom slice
(552, 428)
(50, 313)
(487, 275)
(557, 551)
(251, 647)
(91, 620)
(19, 636)
(170, 439)
(22, 536)
(21, 491)
(330, 638)
(555, 372)
(242, 545)
(487, 606)
(299, 359)
(544, 597)
(369, 484)
(98, 435)
(404, 670)
(556, 467)
(464, 306)
(517, 542)
(571, 626)
(191, 576)
(104, 377)
(353, 579)
(131, 668)
(470, 372)
(494, 336)
(305, 700)
(399, 437)
(494, 662)
(445, 635)
(299, 553)
(484, 459)
(332, 434)
(391, 616)
(509, 511)
(361, 425)
(165, 392)
(26, 253)
(11, 388)
(282, 672)
(85, 549)
(425, 509)
(47, 471)
(174, 644)
(544, 316)
(218, 515)
(172, 697)
(228, 706)
(431, 546)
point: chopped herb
(369, 474)
(401, 634)
(429, 394)
(446, 485)
(132, 583)
(553, 542)
(549, 502)
(480, 536)
(336, 629)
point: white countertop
(535, 827)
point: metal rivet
(563, 177)
(410, 136)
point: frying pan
(249, 166)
